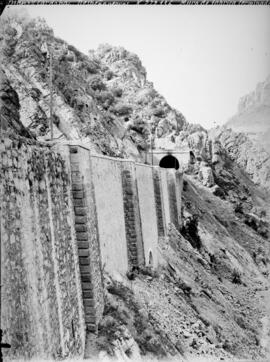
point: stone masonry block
(90, 318)
(89, 302)
(83, 244)
(81, 227)
(75, 166)
(78, 194)
(80, 211)
(80, 219)
(79, 202)
(84, 260)
(84, 269)
(77, 186)
(83, 252)
(90, 327)
(88, 294)
(86, 278)
(87, 286)
(81, 236)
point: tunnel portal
(169, 161)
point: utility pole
(152, 157)
(51, 95)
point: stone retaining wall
(66, 216)
(41, 304)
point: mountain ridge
(253, 115)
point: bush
(96, 83)
(106, 98)
(190, 231)
(257, 224)
(109, 74)
(159, 112)
(117, 92)
(185, 185)
(236, 277)
(122, 109)
(139, 126)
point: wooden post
(51, 96)
(152, 156)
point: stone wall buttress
(87, 236)
(132, 215)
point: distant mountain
(253, 116)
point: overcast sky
(201, 58)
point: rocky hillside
(253, 116)
(9, 108)
(103, 99)
(248, 154)
(209, 298)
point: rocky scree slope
(206, 299)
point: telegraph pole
(51, 95)
(151, 148)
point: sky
(202, 59)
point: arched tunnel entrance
(169, 161)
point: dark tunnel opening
(169, 161)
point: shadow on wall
(150, 259)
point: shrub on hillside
(236, 277)
(106, 99)
(109, 74)
(190, 231)
(117, 92)
(96, 83)
(257, 224)
(139, 126)
(158, 112)
(121, 109)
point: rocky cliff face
(10, 108)
(103, 99)
(253, 116)
(246, 153)
(259, 97)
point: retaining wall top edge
(167, 151)
(115, 159)
(144, 164)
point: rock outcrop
(10, 108)
(259, 97)
(253, 116)
(103, 99)
(247, 154)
